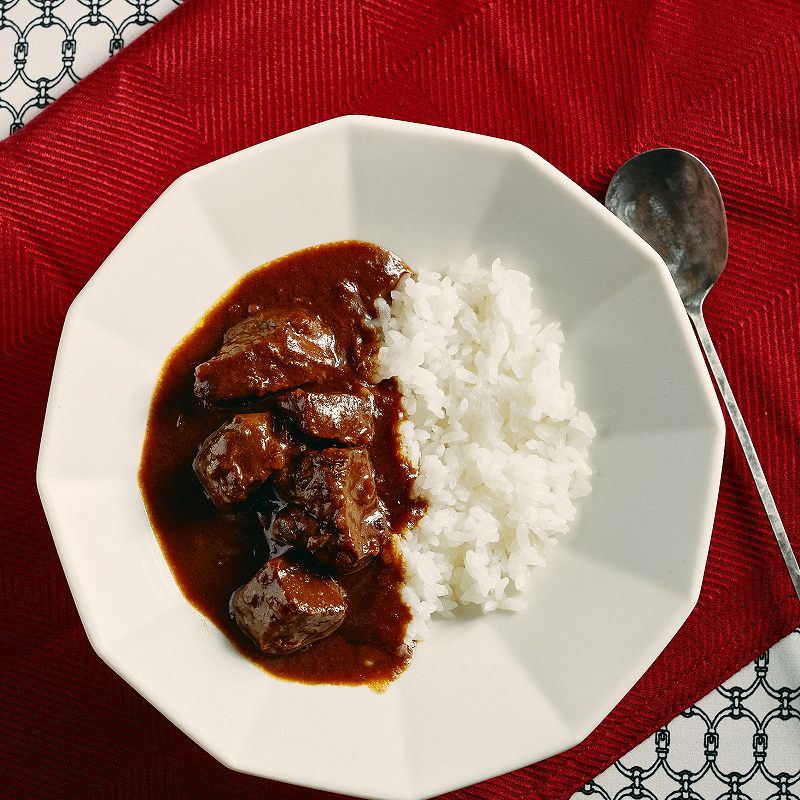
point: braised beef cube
(287, 605)
(345, 418)
(337, 487)
(238, 458)
(267, 353)
(293, 526)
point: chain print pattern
(742, 742)
(46, 46)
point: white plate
(481, 696)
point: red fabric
(586, 83)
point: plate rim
(714, 422)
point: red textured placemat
(586, 83)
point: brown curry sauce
(212, 553)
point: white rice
(493, 430)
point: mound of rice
(492, 428)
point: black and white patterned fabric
(742, 742)
(46, 46)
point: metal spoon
(672, 201)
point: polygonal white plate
(481, 696)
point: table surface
(741, 741)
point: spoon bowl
(672, 201)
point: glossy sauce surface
(212, 553)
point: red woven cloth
(586, 83)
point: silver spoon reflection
(672, 201)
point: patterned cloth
(46, 46)
(742, 741)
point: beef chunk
(337, 488)
(287, 605)
(345, 418)
(293, 526)
(267, 353)
(238, 458)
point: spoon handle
(696, 315)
